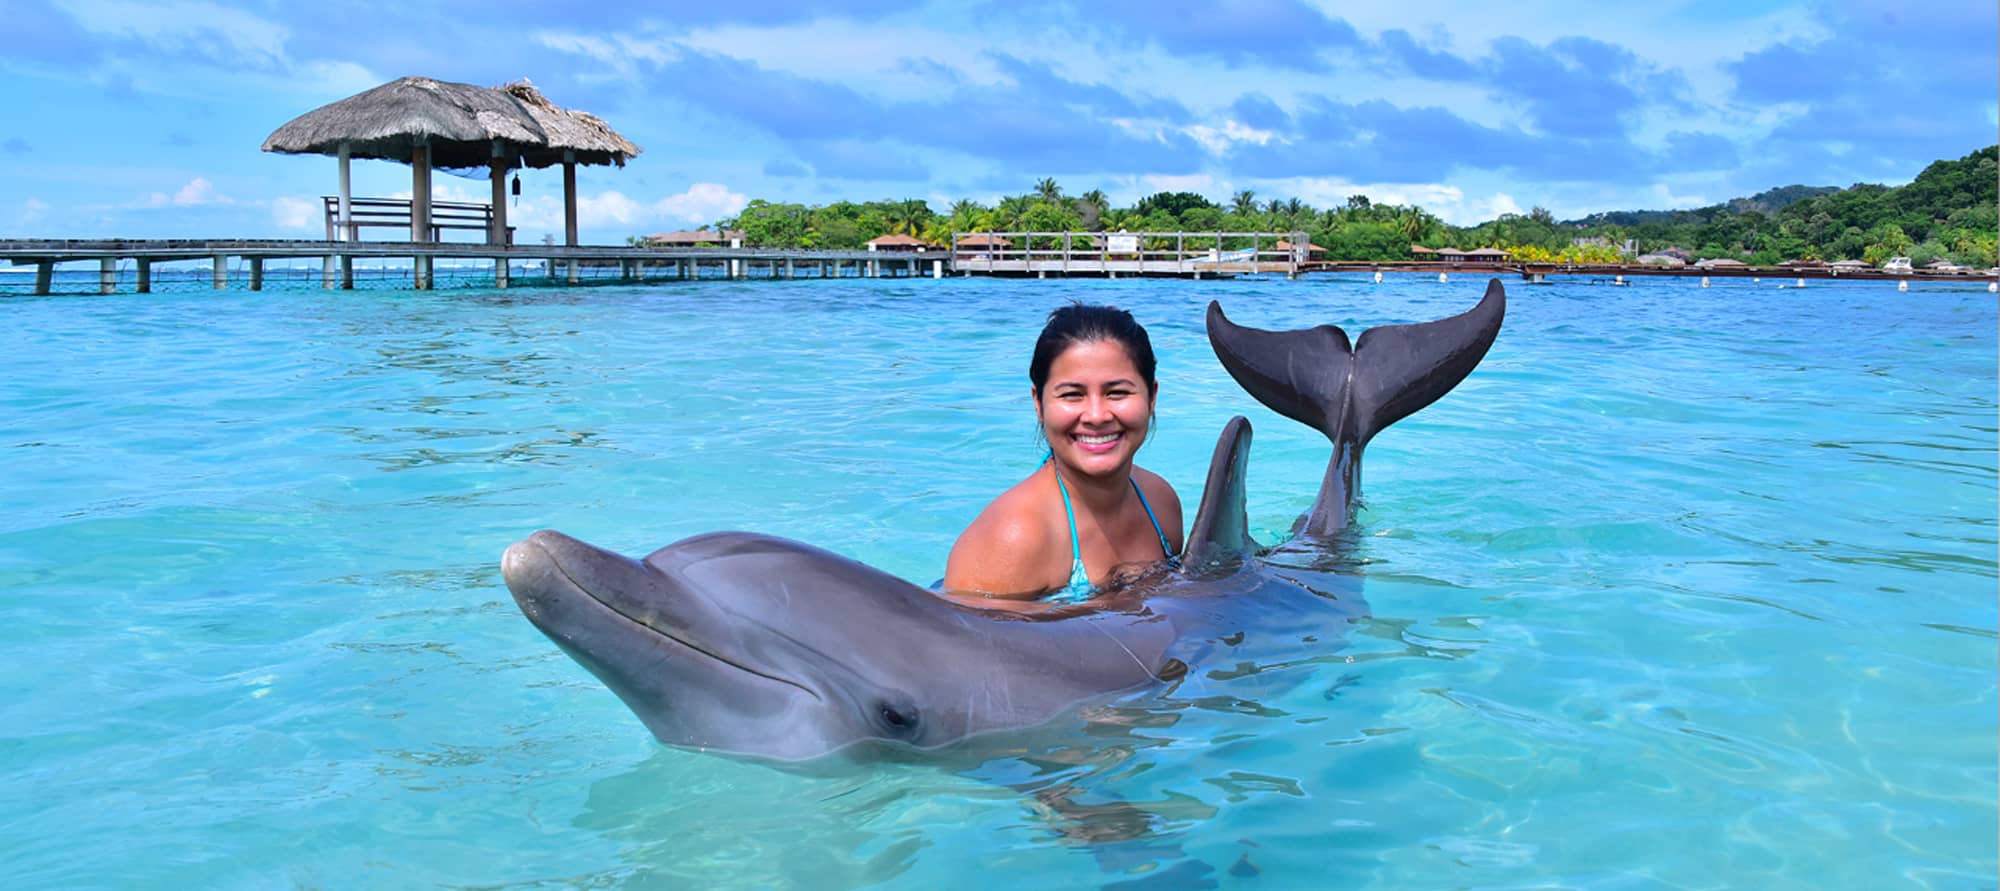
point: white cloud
(295, 213)
(1450, 203)
(31, 211)
(219, 32)
(198, 191)
(1218, 140)
(702, 203)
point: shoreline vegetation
(1950, 212)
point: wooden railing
(1141, 252)
(394, 213)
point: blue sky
(144, 118)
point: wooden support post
(420, 193)
(788, 269)
(256, 273)
(107, 276)
(500, 272)
(344, 228)
(421, 273)
(45, 273)
(569, 206)
(937, 269)
(145, 276)
(346, 272)
(628, 270)
(573, 276)
(326, 267)
(221, 271)
(497, 171)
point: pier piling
(145, 285)
(107, 276)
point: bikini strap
(1165, 548)
(1079, 587)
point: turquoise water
(1682, 588)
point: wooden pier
(337, 259)
(1009, 254)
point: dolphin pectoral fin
(1399, 369)
(1221, 533)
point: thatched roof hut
(430, 123)
(459, 122)
(586, 136)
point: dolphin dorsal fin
(1221, 533)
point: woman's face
(1095, 408)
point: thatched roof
(896, 240)
(1311, 248)
(593, 140)
(983, 239)
(460, 121)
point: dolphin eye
(897, 720)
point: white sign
(1122, 244)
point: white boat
(1898, 265)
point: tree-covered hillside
(1950, 211)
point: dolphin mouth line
(683, 642)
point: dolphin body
(760, 646)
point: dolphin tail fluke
(1352, 392)
(1315, 377)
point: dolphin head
(756, 645)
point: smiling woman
(1094, 392)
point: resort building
(897, 242)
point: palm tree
(1245, 202)
(1095, 198)
(1048, 190)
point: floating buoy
(1441, 278)
(1799, 284)
(1704, 281)
(1993, 287)
(1902, 286)
(1617, 279)
(1756, 280)
(1378, 278)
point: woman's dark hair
(1083, 323)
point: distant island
(1950, 212)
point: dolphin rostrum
(756, 645)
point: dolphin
(763, 647)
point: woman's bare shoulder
(1001, 551)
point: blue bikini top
(1079, 588)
